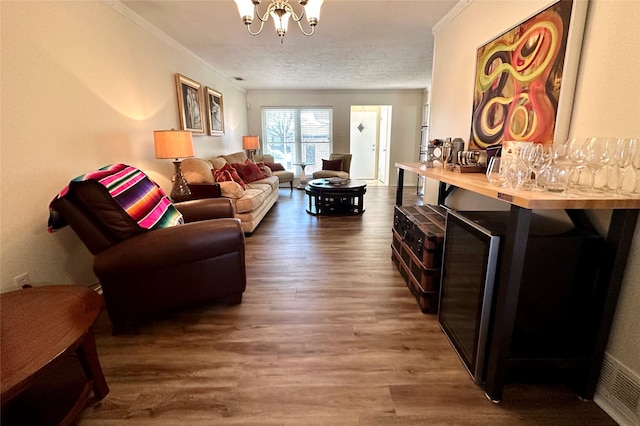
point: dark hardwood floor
(327, 334)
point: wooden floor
(327, 334)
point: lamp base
(180, 190)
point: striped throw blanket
(139, 197)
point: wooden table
(41, 328)
(618, 243)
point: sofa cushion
(218, 162)
(332, 165)
(248, 171)
(275, 167)
(227, 174)
(197, 170)
(266, 171)
(236, 157)
(251, 200)
(231, 189)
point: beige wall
(406, 116)
(607, 102)
(83, 86)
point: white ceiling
(358, 44)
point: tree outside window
(295, 135)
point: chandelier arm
(259, 30)
(264, 17)
(294, 16)
(313, 28)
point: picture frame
(190, 104)
(215, 112)
(525, 78)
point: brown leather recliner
(143, 272)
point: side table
(303, 174)
(47, 343)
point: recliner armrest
(205, 209)
(167, 247)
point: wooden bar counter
(617, 246)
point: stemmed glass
(598, 152)
(635, 163)
(577, 158)
(625, 149)
(560, 172)
(524, 158)
(540, 157)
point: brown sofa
(142, 271)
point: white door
(364, 144)
(383, 144)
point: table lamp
(251, 144)
(175, 144)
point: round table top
(38, 325)
(326, 183)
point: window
(296, 135)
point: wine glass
(577, 158)
(635, 163)
(625, 149)
(540, 157)
(598, 153)
(526, 152)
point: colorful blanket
(141, 198)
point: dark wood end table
(46, 339)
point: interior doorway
(370, 127)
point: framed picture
(190, 104)
(215, 112)
(525, 78)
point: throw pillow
(335, 165)
(231, 189)
(226, 172)
(249, 171)
(275, 167)
(266, 171)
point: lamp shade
(245, 8)
(173, 144)
(250, 142)
(312, 9)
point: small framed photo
(190, 104)
(215, 112)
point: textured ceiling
(357, 45)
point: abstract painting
(525, 78)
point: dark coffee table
(329, 198)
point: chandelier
(280, 11)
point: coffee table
(329, 198)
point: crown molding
(148, 26)
(450, 16)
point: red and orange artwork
(518, 79)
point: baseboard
(618, 392)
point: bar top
(477, 182)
